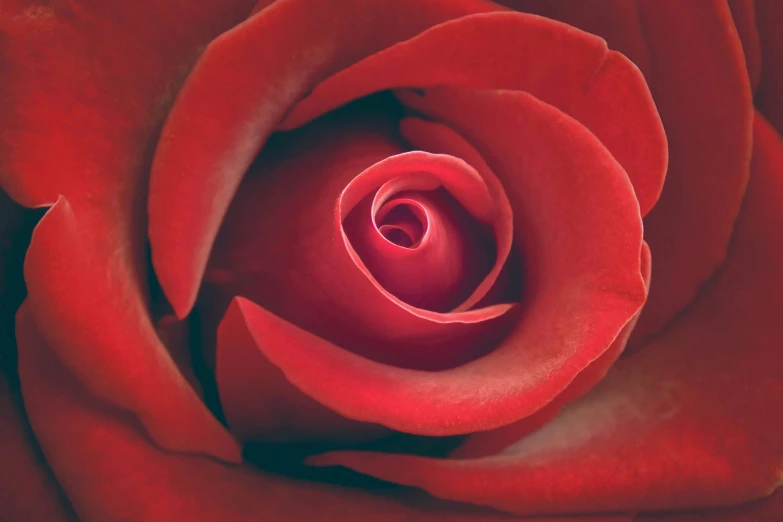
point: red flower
(409, 238)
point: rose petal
(100, 328)
(616, 21)
(569, 69)
(111, 471)
(27, 489)
(699, 81)
(767, 509)
(743, 12)
(581, 293)
(492, 442)
(690, 422)
(260, 404)
(88, 88)
(769, 96)
(701, 88)
(241, 90)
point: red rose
(406, 238)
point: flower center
(403, 223)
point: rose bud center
(421, 246)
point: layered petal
(764, 510)
(616, 21)
(446, 263)
(260, 404)
(112, 471)
(240, 92)
(499, 285)
(743, 12)
(769, 96)
(86, 90)
(27, 489)
(692, 58)
(570, 69)
(493, 442)
(579, 294)
(98, 324)
(689, 422)
(701, 88)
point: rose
(83, 343)
(657, 410)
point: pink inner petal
(427, 228)
(403, 224)
(421, 246)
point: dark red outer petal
(769, 96)
(616, 21)
(564, 172)
(690, 422)
(27, 490)
(100, 327)
(701, 88)
(769, 509)
(567, 68)
(743, 12)
(85, 88)
(693, 61)
(112, 471)
(235, 97)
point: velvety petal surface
(700, 85)
(492, 442)
(768, 509)
(27, 489)
(689, 422)
(743, 12)
(112, 471)
(86, 87)
(569, 273)
(616, 21)
(769, 96)
(234, 99)
(260, 404)
(693, 61)
(570, 69)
